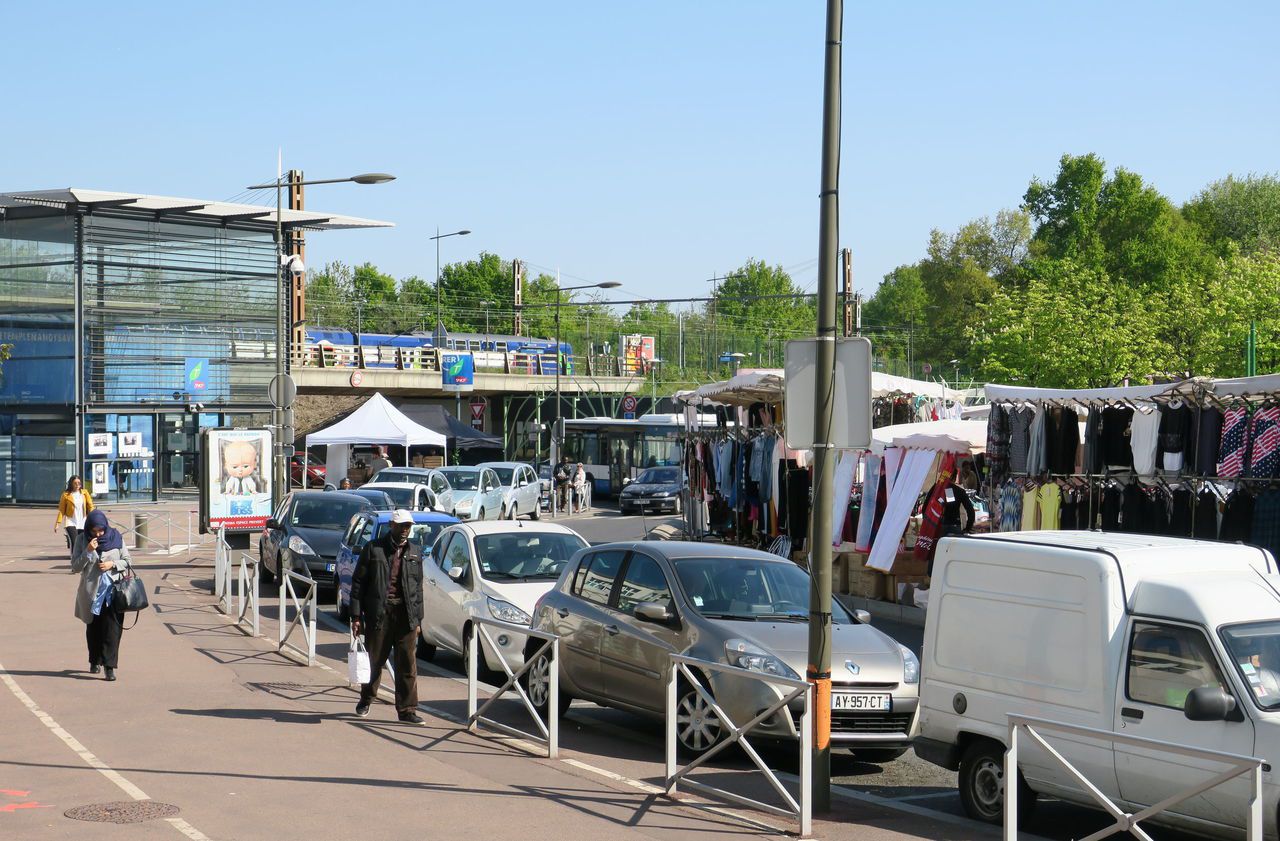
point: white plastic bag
(358, 671)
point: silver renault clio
(621, 609)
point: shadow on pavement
(278, 716)
(73, 674)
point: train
(491, 342)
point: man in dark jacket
(386, 605)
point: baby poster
(237, 478)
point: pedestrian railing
(304, 616)
(222, 572)
(478, 636)
(1125, 821)
(247, 603)
(154, 530)
(799, 806)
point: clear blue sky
(653, 143)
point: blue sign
(196, 375)
(457, 370)
(628, 415)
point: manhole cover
(122, 811)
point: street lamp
(485, 305)
(737, 358)
(608, 284)
(653, 368)
(279, 413)
(439, 236)
(956, 363)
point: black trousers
(395, 637)
(73, 534)
(103, 636)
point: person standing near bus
(73, 507)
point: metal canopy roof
(169, 205)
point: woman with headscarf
(74, 506)
(100, 549)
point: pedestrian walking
(73, 507)
(100, 559)
(386, 606)
(563, 478)
(580, 487)
(345, 484)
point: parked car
(1154, 637)
(621, 609)
(414, 496)
(656, 489)
(521, 494)
(477, 494)
(371, 525)
(432, 477)
(304, 532)
(315, 472)
(380, 500)
(498, 570)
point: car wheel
(480, 516)
(981, 784)
(264, 571)
(698, 728)
(341, 610)
(537, 511)
(426, 651)
(679, 505)
(878, 756)
(484, 673)
(537, 684)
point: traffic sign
(927, 368)
(477, 413)
(282, 391)
(629, 405)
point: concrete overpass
(427, 383)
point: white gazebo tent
(375, 422)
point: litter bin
(140, 524)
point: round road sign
(629, 403)
(282, 391)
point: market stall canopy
(435, 417)
(768, 385)
(376, 422)
(1013, 394)
(953, 436)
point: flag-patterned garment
(1264, 436)
(1231, 452)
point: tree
(466, 285)
(756, 308)
(1245, 211)
(898, 303)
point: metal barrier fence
(146, 526)
(548, 732)
(304, 607)
(247, 595)
(1125, 821)
(222, 572)
(802, 808)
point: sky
(655, 144)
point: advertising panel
(637, 355)
(235, 486)
(457, 371)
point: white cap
(401, 515)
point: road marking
(88, 757)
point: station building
(132, 322)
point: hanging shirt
(1037, 452)
(1144, 438)
(1049, 500)
(1030, 509)
(1232, 447)
(1019, 434)
(1208, 437)
(1176, 425)
(1264, 442)
(1114, 434)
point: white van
(1163, 638)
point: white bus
(614, 451)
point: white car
(413, 496)
(429, 476)
(477, 493)
(495, 570)
(521, 493)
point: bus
(614, 451)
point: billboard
(457, 371)
(637, 354)
(235, 482)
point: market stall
(375, 422)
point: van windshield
(1255, 650)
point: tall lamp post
(608, 284)
(486, 305)
(435, 331)
(284, 395)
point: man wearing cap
(386, 606)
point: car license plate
(330, 567)
(859, 702)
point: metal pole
(435, 330)
(819, 665)
(559, 353)
(278, 486)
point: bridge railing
(520, 363)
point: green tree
(756, 308)
(1245, 211)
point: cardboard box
(870, 584)
(905, 563)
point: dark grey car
(656, 489)
(621, 609)
(305, 531)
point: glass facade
(175, 331)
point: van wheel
(981, 785)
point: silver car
(432, 477)
(621, 609)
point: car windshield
(1255, 649)
(423, 534)
(402, 497)
(659, 476)
(379, 499)
(505, 474)
(749, 589)
(393, 475)
(464, 480)
(525, 556)
(328, 512)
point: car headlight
(463, 504)
(748, 655)
(663, 494)
(507, 612)
(910, 665)
(298, 546)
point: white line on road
(90, 759)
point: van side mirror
(654, 612)
(863, 617)
(1208, 703)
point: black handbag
(129, 593)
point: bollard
(140, 523)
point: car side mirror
(654, 612)
(457, 573)
(863, 617)
(1208, 703)
(273, 525)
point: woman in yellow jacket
(73, 507)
